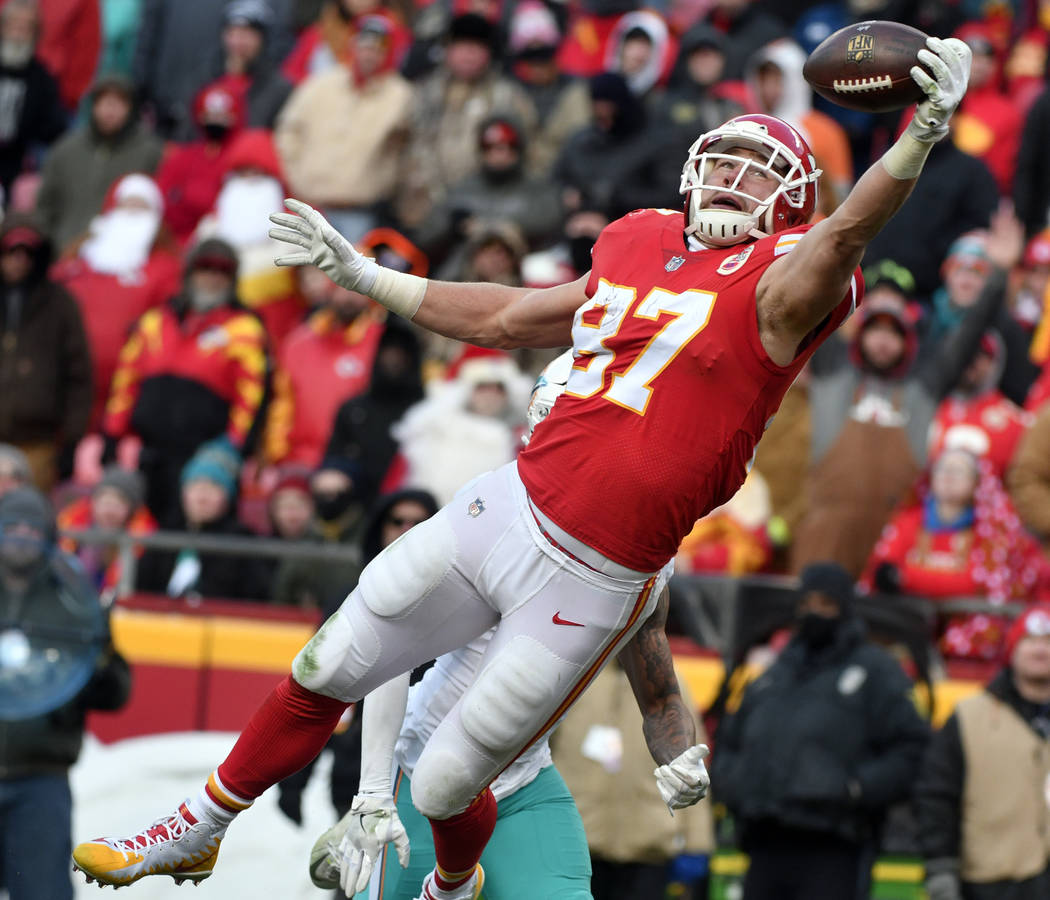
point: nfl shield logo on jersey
(731, 263)
(476, 508)
(674, 263)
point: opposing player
(683, 352)
(537, 816)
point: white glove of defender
(949, 60)
(684, 780)
(351, 848)
(323, 247)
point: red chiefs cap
(21, 236)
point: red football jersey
(670, 391)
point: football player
(685, 335)
(538, 819)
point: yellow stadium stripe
(150, 638)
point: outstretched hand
(1005, 237)
(949, 60)
(322, 246)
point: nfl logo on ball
(860, 48)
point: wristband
(399, 292)
(905, 159)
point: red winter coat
(321, 365)
(110, 305)
(190, 176)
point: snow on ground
(120, 788)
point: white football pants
(561, 610)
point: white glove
(684, 780)
(323, 247)
(351, 848)
(949, 60)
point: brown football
(867, 66)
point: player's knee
(409, 569)
(442, 783)
(340, 654)
(517, 692)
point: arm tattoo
(667, 724)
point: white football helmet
(789, 162)
(548, 388)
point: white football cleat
(178, 845)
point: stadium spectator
(245, 67)
(32, 113)
(323, 362)
(641, 49)
(342, 168)
(45, 366)
(290, 505)
(115, 504)
(980, 800)
(562, 103)
(1031, 290)
(361, 430)
(823, 743)
(501, 190)
(582, 52)
(612, 164)
(126, 264)
(173, 37)
(192, 370)
(976, 415)
(956, 193)
(207, 491)
(693, 102)
(450, 104)
(339, 518)
(989, 123)
(960, 537)
(570, 257)
(14, 469)
(469, 425)
(120, 27)
(746, 27)
(252, 188)
(191, 173)
(601, 752)
(494, 252)
(70, 41)
(42, 593)
(84, 163)
(872, 408)
(774, 75)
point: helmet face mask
(785, 159)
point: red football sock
(284, 734)
(459, 841)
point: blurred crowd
(157, 371)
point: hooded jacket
(824, 741)
(45, 364)
(57, 596)
(83, 164)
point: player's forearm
(863, 214)
(470, 312)
(384, 712)
(669, 730)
